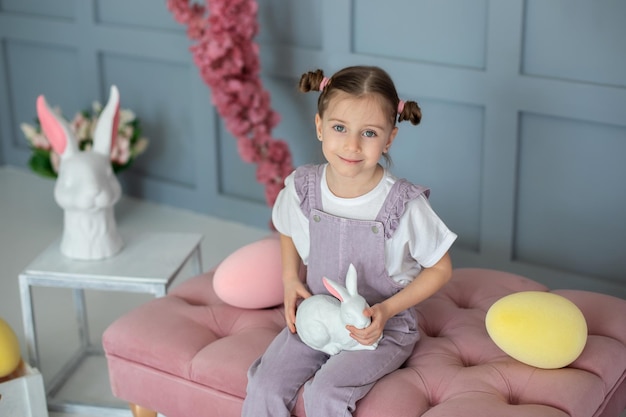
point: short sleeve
(286, 199)
(289, 220)
(428, 236)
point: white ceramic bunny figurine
(321, 319)
(86, 187)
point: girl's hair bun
(311, 81)
(411, 112)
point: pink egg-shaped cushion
(251, 277)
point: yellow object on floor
(10, 355)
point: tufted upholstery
(187, 354)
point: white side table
(148, 263)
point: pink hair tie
(324, 83)
(400, 106)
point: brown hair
(359, 81)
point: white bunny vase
(86, 188)
(321, 319)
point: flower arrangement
(229, 64)
(128, 144)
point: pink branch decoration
(228, 60)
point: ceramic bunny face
(86, 187)
(86, 182)
(321, 319)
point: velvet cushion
(187, 354)
(251, 277)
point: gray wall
(522, 141)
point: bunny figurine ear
(108, 122)
(56, 130)
(336, 289)
(351, 283)
(340, 292)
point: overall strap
(394, 206)
(307, 180)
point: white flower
(91, 128)
(35, 138)
(97, 107)
(81, 126)
(125, 131)
(29, 131)
(140, 146)
(126, 116)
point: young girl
(351, 210)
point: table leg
(81, 317)
(197, 260)
(28, 319)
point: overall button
(316, 218)
(375, 229)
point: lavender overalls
(339, 381)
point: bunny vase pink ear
(54, 127)
(60, 135)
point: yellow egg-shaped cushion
(540, 329)
(10, 355)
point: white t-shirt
(420, 240)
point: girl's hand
(428, 282)
(294, 290)
(371, 334)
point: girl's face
(354, 132)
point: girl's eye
(369, 134)
(339, 128)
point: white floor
(30, 220)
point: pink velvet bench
(186, 355)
